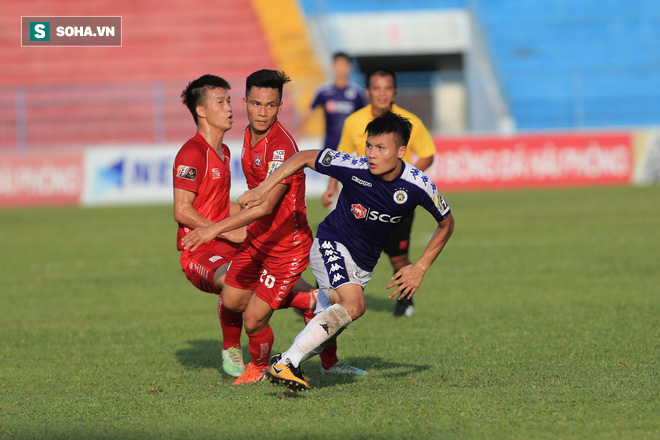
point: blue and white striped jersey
(369, 208)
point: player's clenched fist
(198, 237)
(250, 199)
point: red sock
(260, 345)
(302, 300)
(329, 354)
(232, 325)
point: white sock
(323, 327)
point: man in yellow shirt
(381, 90)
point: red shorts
(200, 267)
(271, 277)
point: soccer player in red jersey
(202, 182)
(276, 251)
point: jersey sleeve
(276, 154)
(431, 200)
(189, 168)
(338, 164)
(421, 141)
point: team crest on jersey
(328, 155)
(278, 155)
(400, 196)
(186, 172)
(257, 161)
(215, 173)
(359, 211)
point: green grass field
(541, 319)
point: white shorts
(333, 267)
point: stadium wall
(141, 174)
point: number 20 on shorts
(267, 280)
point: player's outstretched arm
(236, 235)
(256, 196)
(238, 220)
(409, 278)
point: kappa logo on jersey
(359, 211)
(278, 155)
(400, 196)
(215, 173)
(186, 172)
(356, 179)
(328, 155)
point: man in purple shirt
(339, 99)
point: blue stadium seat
(566, 63)
(313, 7)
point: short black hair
(194, 94)
(344, 55)
(390, 122)
(379, 72)
(268, 79)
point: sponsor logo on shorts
(278, 155)
(186, 172)
(400, 196)
(361, 182)
(201, 270)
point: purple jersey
(369, 208)
(337, 105)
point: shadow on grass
(202, 353)
(375, 365)
(379, 302)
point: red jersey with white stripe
(200, 169)
(286, 227)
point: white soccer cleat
(232, 361)
(343, 368)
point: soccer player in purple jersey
(339, 99)
(379, 190)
